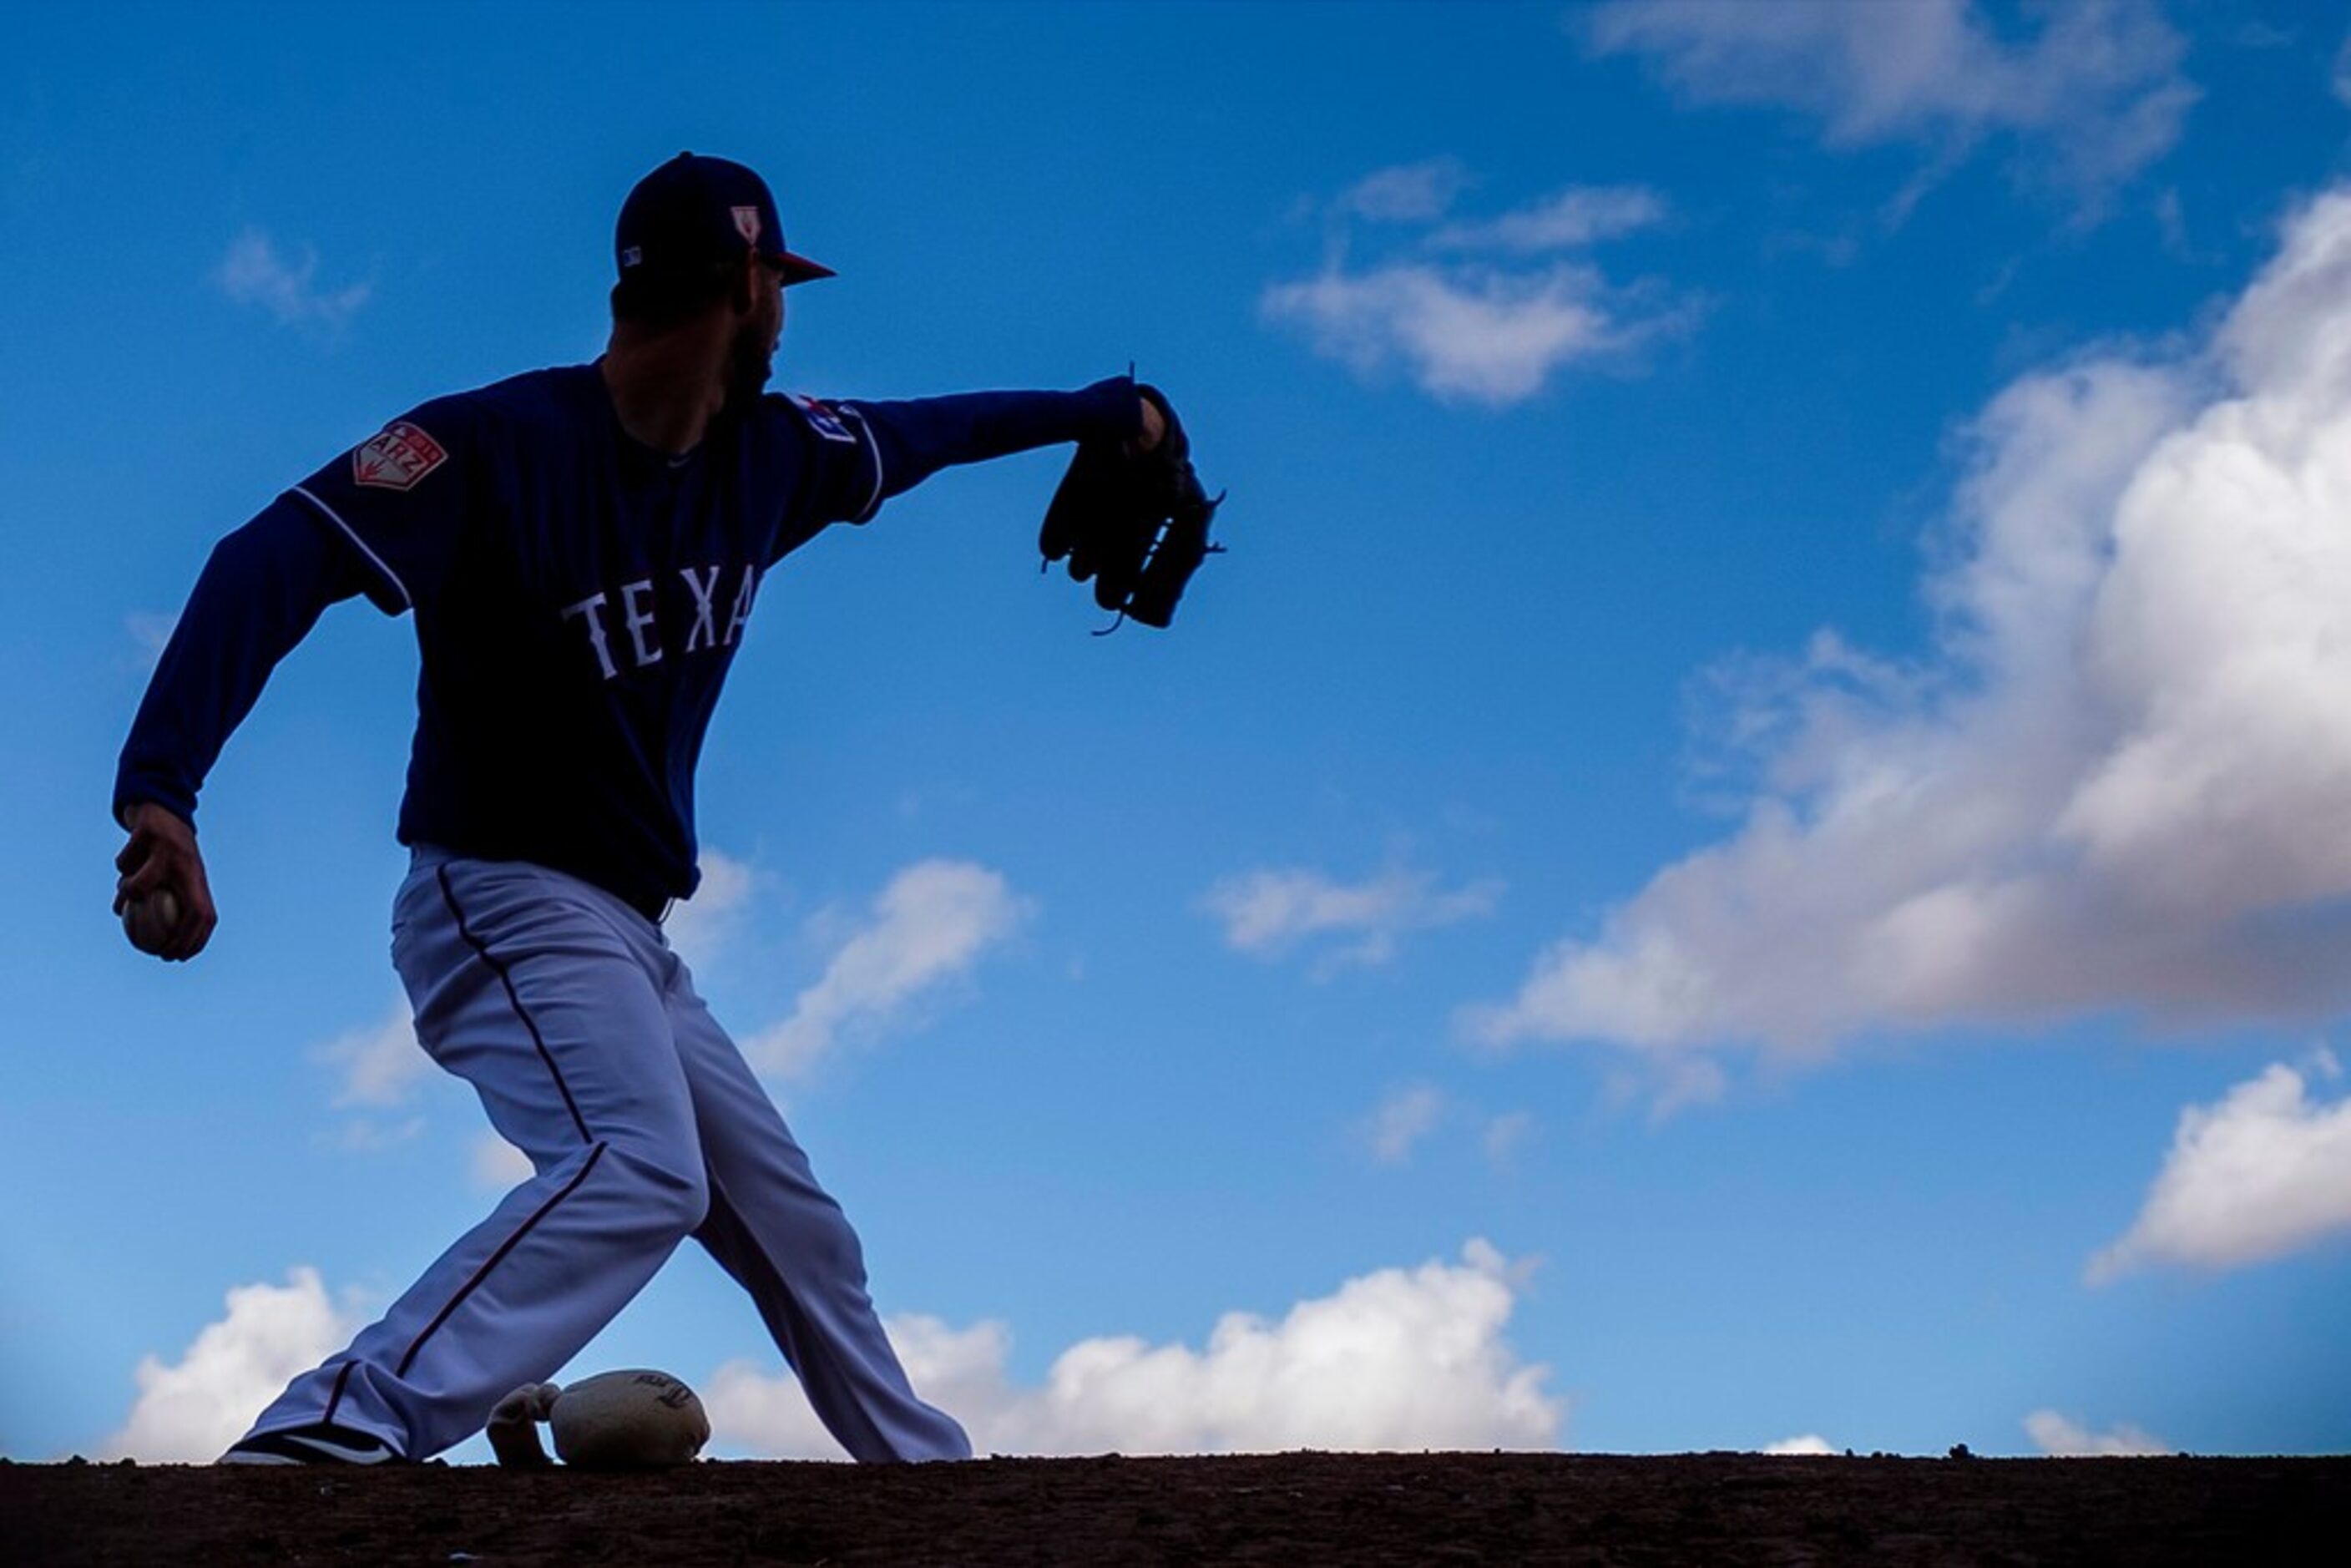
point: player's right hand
(162, 854)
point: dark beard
(750, 362)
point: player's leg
(785, 1238)
(525, 986)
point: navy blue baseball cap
(695, 212)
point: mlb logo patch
(828, 423)
(747, 224)
(397, 459)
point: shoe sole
(293, 1448)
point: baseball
(150, 921)
(633, 1420)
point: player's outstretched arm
(912, 439)
(262, 589)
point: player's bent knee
(672, 1196)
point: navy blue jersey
(578, 596)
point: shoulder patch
(396, 458)
(826, 419)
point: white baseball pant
(580, 1030)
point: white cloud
(1810, 1443)
(1467, 327)
(191, 1409)
(1396, 1359)
(380, 1069)
(1506, 1133)
(700, 929)
(497, 1165)
(2097, 789)
(1408, 193)
(2092, 96)
(1466, 334)
(380, 1065)
(1269, 912)
(1404, 1119)
(926, 929)
(255, 272)
(1569, 220)
(2265, 1172)
(2063, 1439)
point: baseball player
(581, 548)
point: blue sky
(1744, 850)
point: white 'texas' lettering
(638, 620)
(705, 633)
(590, 608)
(642, 615)
(743, 603)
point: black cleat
(320, 1443)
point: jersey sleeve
(399, 500)
(859, 453)
(261, 591)
(839, 459)
(915, 438)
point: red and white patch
(747, 224)
(398, 458)
(826, 420)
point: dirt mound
(1288, 1509)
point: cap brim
(800, 269)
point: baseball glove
(1135, 522)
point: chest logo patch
(397, 457)
(826, 421)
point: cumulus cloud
(1480, 336)
(2086, 100)
(1810, 1443)
(2100, 786)
(926, 930)
(1478, 309)
(1467, 335)
(256, 272)
(1401, 1358)
(2064, 1438)
(2265, 1172)
(1403, 1120)
(701, 928)
(1270, 911)
(191, 1409)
